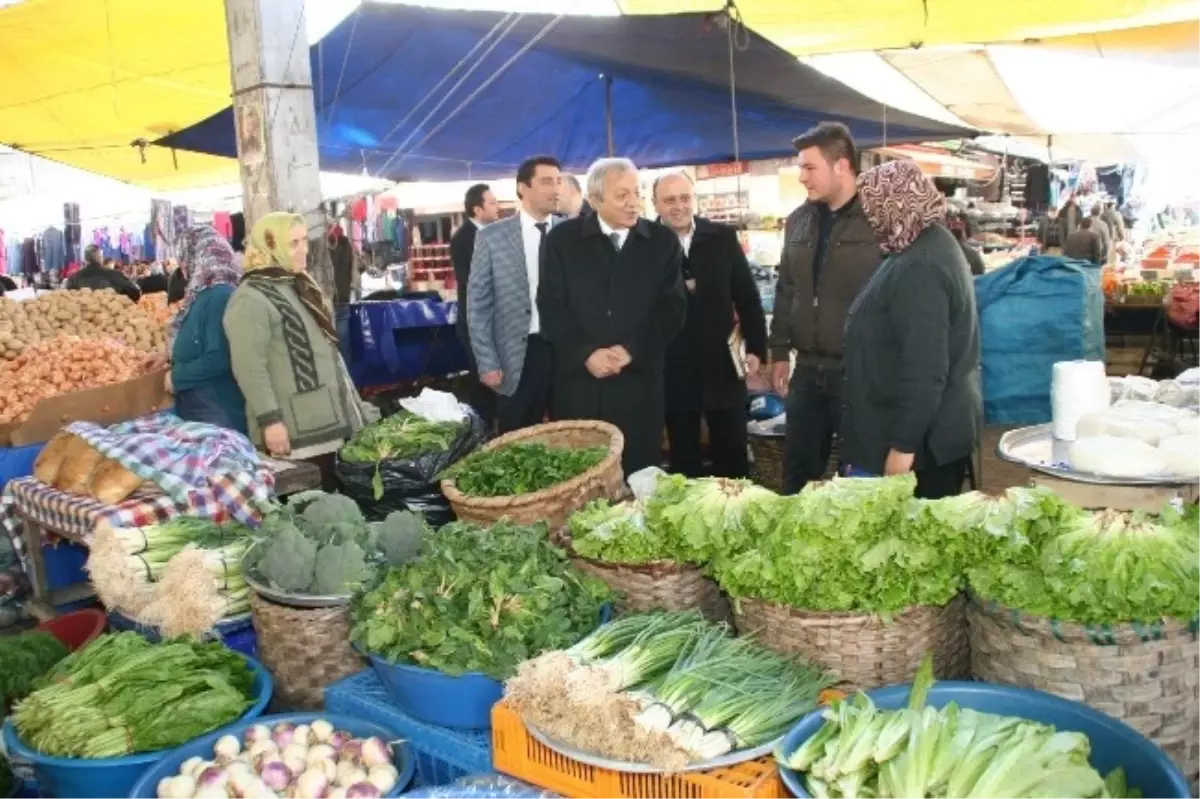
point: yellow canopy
(83, 79)
(853, 25)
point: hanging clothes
(54, 250)
(3, 256)
(223, 224)
(13, 256)
(149, 251)
(30, 265)
(239, 232)
(72, 233)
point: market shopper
(973, 256)
(912, 393)
(300, 402)
(96, 276)
(1101, 227)
(177, 283)
(702, 379)
(482, 210)
(513, 356)
(571, 202)
(1085, 244)
(155, 282)
(1112, 218)
(201, 374)
(829, 253)
(610, 299)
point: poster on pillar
(250, 134)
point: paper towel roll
(1076, 388)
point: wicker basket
(770, 461)
(659, 586)
(863, 649)
(551, 505)
(306, 649)
(1147, 676)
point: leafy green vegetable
(952, 752)
(402, 436)
(24, 658)
(479, 600)
(616, 534)
(340, 569)
(710, 519)
(861, 544)
(321, 510)
(400, 535)
(1091, 568)
(521, 469)
(289, 560)
(121, 695)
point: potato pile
(62, 365)
(156, 305)
(88, 314)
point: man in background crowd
(1085, 244)
(513, 357)
(973, 256)
(97, 276)
(1112, 218)
(571, 202)
(703, 380)
(481, 210)
(611, 299)
(1050, 233)
(829, 253)
(177, 282)
(1101, 227)
(155, 282)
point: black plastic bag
(410, 484)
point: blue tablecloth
(400, 340)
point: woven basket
(770, 461)
(550, 505)
(659, 586)
(1147, 676)
(863, 649)
(306, 649)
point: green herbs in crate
(479, 600)
(521, 469)
(24, 658)
(122, 695)
(403, 436)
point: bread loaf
(110, 482)
(78, 462)
(49, 460)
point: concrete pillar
(276, 119)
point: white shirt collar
(608, 230)
(476, 222)
(527, 220)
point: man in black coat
(481, 209)
(611, 299)
(703, 378)
(96, 276)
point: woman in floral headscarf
(911, 380)
(201, 374)
(300, 402)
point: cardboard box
(110, 404)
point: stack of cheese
(1135, 439)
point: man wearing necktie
(611, 298)
(505, 328)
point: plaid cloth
(197, 470)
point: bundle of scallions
(668, 689)
(181, 576)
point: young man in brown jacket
(829, 253)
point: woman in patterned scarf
(300, 402)
(911, 383)
(201, 376)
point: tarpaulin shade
(670, 96)
(853, 25)
(82, 79)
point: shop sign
(709, 171)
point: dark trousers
(479, 396)
(814, 411)
(726, 442)
(528, 406)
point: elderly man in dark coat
(705, 375)
(611, 299)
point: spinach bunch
(24, 658)
(521, 469)
(479, 600)
(403, 436)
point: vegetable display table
(41, 513)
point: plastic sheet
(488, 786)
(1033, 313)
(409, 484)
(402, 340)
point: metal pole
(608, 114)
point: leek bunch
(862, 751)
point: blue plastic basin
(169, 764)
(463, 702)
(1114, 743)
(77, 778)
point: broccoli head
(288, 559)
(323, 511)
(340, 568)
(400, 535)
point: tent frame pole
(608, 114)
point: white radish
(263, 747)
(336, 792)
(321, 752)
(375, 753)
(303, 735)
(348, 773)
(312, 783)
(259, 732)
(211, 792)
(384, 777)
(362, 790)
(276, 775)
(322, 730)
(227, 747)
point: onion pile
(62, 366)
(306, 760)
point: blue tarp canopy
(665, 79)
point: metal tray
(294, 600)
(592, 759)
(1037, 448)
